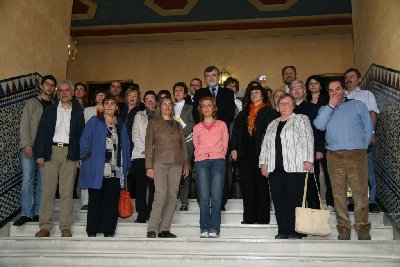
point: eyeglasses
(149, 99)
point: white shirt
(238, 104)
(288, 89)
(365, 96)
(61, 133)
(179, 107)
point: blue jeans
(371, 175)
(30, 199)
(210, 177)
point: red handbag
(125, 205)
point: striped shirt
(297, 144)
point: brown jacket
(165, 144)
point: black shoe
(295, 236)
(281, 236)
(244, 222)
(373, 208)
(108, 234)
(350, 207)
(21, 221)
(91, 234)
(166, 234)
(85, 207)
(140, 221)
(223, 208)
(151, 234)
(35, 218)
(184, 208)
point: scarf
(251, 120)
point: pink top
(210, 143)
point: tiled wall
(13, 94)
(385, 84)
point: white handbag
(312, 221)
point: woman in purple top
(210, 140)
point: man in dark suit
(224, 97)
(298, 91)
(226, 108)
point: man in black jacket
(298, 91)
(224, 97)
(56, 151)
(226, 108)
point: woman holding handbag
(104, 152)
(287, 153)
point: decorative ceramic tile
(384, 83)
(12, 101)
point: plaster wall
(159, 65)
(34, 37)
(376, 36)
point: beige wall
(159, 65)
(376, 33)
(34, 37)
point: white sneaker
(204, 234)
(212, 234)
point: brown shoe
(364, 236)
(42, 233)
(66, 233)
(344, 236)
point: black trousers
(131, 181)
(102, 216)
(317, 171)
(255, 189)
(312, 192)
(287, 193)
(143, 203)
(227, 185)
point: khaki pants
(350, 166)
(166, 182)
(57, 170)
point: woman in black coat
(247, 136)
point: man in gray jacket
(33, 109)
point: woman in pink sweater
(210, 140)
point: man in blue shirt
(348, 133)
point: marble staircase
(238, 244)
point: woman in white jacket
(143, 202)
(287, 153)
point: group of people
(275, 138)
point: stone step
(231, 205)
(196, 252)
(228, 217)
(139, 230)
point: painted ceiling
(101, 21)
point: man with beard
(289, 74)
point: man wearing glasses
(56, 150)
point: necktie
(213, 92)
